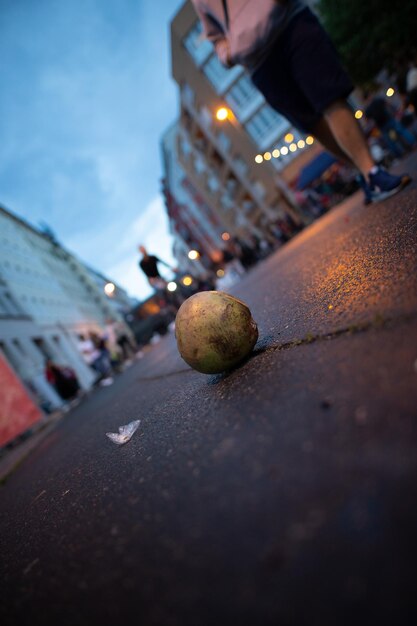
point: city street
(282, 493)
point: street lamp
(222, 114)
(109, 289)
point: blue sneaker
(365, 188)
(383, 185)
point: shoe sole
(405, 180)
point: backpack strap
(226, 14)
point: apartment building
(194, 224)
(48, 298)
(238, 152)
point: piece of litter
(125, 433)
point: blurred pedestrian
(96, 358)
(149, 266)
(294, 64)
(125, 343)
(63, 379)
(411, 86)
(231, 261)
(392, 131)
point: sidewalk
(281, 493)
(11, 458)
(13, 455)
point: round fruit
(214, 331)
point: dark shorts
(302, 75)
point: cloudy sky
(86, 94)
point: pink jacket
(245, 35)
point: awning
(314, 169)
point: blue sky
(86, 94)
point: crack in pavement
(377, 322)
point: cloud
(88, 96)
(150, 229)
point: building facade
(48, 299)
(243, 163)
(193, 223)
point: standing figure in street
(411, 86)
(63, 379)
(149, 266)
(294, 64)
(95, 358)
(393, 132)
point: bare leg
(325, 136)
(348, 134)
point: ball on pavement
(214, 331)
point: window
(198, 47)
(224, 141)
(213, 183)
(188, 95)
(8, 305)
(9, 356)
(227, 201)
(259, 189)
(41, 345)
(19, 347)
(266, 125)
(185, 147)
(220, 77)
(243, 97)
(240, 165)
(206, 117)
(199, 164)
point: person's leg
(303, 79)
(349, 136)
(323, 133)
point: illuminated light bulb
(358, 114)
(109, 289)
(222, 114)
(301, 143)
(293, 147)
(187, 281)
(225, 236)
(289, 137)
(309, 140)
(284, 150)
(390, 92)
(171, 286)
(220, 273)
(267, 156)
(259, 158)
(275, 153)
(193, 255)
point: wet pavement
(282, 493)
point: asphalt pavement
(283, 493)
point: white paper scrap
(125, 433)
